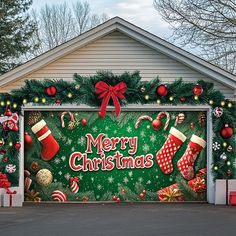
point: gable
(117, 52)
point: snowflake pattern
(99, 186)
(142, 134)
(73, 149)
(125, 180)
(57, 161)
(110, 179)
(60, 173)
(149, 181)
(80, 176)
(129, 129)
(63, 158)
(140, 179)
(153, 138)
(130, 174)
(69, 142)
(94, 129)
(92, 179)
(148, 126)
(67, 176)
(81, 141)
(106, 128)
(216, 146)
(145, 148)
(115, 132)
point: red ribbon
(10, 197)
(72, 179)
(106, 91)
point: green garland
(82, 91)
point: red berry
(114, 198)
(99, 114)
(182, 99)
(144, 191)
(156, 124)
(84, 122)
(58, 101)
(28, 139)
(118, 200)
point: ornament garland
(84, 90)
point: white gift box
(221, 190)
(12, 200)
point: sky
(138, 12)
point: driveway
(118, 219)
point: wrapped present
(202, 173)
(4, 183)
(170, 194)
(198, 185)
(11, 199)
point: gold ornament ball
(14, 105)
(222, 103)
(228, 163)
(225, 144)
(44, 177)
(229, 105)
(171, 98)
(24, 101)
(36, 99)
(211, 102)
(2, 103)
(43, 100)
(77, 87)
(215, 167)
(69, 95)
(158, 101)
(146, 97)
(195, 97)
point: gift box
(198, 184)
(11, 200)
(170, 194)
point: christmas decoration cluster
(101, 90)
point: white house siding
(118, 53)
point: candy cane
(137, 124)
(164, 113)
(62, 118)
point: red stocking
(50, 145)
(186, 162)
(165, 155)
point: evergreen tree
(16, 29)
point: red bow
(106, 91)
(72, 179)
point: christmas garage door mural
(137, 156)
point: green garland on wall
(82, 91)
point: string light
(36, 99)
(24, 101)
(158, 101)
(69, 95)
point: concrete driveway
(118, 219)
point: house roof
(132, 31)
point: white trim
(42, 137)
(132, 31)
(38, 126)
(198, 140)
(177, 134)
(146, 107)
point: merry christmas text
(80, 162)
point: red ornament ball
(99, 114)
(51, 90)
(84, 122)
(8, 112)
(183, 99)
(162, 90)
(141, 195)
(156, 124)
(226, 132)
(118, 200)
(114, 198)
(144, 191)
(28, 139)
(229, 173)
(17, 146)
(58, 101)
(197, 90)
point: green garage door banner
(138, 156)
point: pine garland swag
(82, 91)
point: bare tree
(209, 25)
(59, 23)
